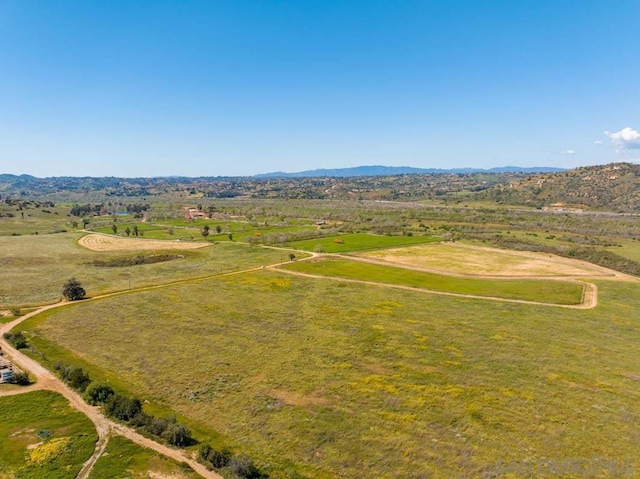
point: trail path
(589, 293)
(104, 427)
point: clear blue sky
(235, 87)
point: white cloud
(598, 142)
(568, 152)
(625, 139)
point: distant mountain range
(402, 170)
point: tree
(230, 236)
(205, 231)
(114, 228)
(218, 229)
(127, 231)
(135, 230)
(178, 434)
(98, 393)
(21, 379)
(73, 290)
(123, 407)
(292, 256)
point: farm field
(316, 378)
(470, 260)
(35, 267)
(556, 292)
(358, 241)
(41, 436)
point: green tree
(218, 229)
(205, 231)
(73, 290)
(135, 230)
(98, 393)
(114, 228)
(127, 231)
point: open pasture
(551, 292)
(323, 379)
(358, 242)
(35, 267)
(41, 436)
(458, 258)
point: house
(193, 213)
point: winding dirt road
(104, 427)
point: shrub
(21, 379)
(178, 434)
(244, 468)
(123, 407)
(17, 340)
(98, 393)
(73, 290)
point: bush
(214, 459)
(74, 376)
(21, 379)
(244, 468)
(123, 407)
(178, 434)
(73, 290)
(98, 393)
(17, 340)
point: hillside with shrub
(614, 187)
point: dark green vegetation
(42, 437)
(346, 379)
(552, 292)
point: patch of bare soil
(100, 242)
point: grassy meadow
(35, 267)
(553, 292)
(42, 437)
(323, 379)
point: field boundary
(589, 290)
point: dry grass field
(468, 260)
(104, 242)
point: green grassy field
(191, 230)
(359, 242)
(124, 459)
(330, 379)
(553, 292)
(34, 268)
(42, 437)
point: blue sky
(235, 87)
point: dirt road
(104, 426)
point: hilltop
(613, 187)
